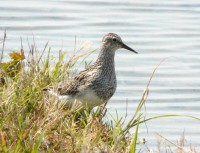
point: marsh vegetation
(32, 121)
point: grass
(32, 121)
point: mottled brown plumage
(71, 88)
(97, 84)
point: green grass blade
(169, 115)
(3, 143)
(134, 142)
(38, 143)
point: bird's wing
(80, 80)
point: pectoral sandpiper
(97, 84)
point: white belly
(84, 98)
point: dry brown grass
(32, 121)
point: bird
(95, 85)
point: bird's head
(114, 42)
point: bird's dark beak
(128, 48)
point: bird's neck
(106, 58)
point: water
(156, 29)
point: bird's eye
(114, 39)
